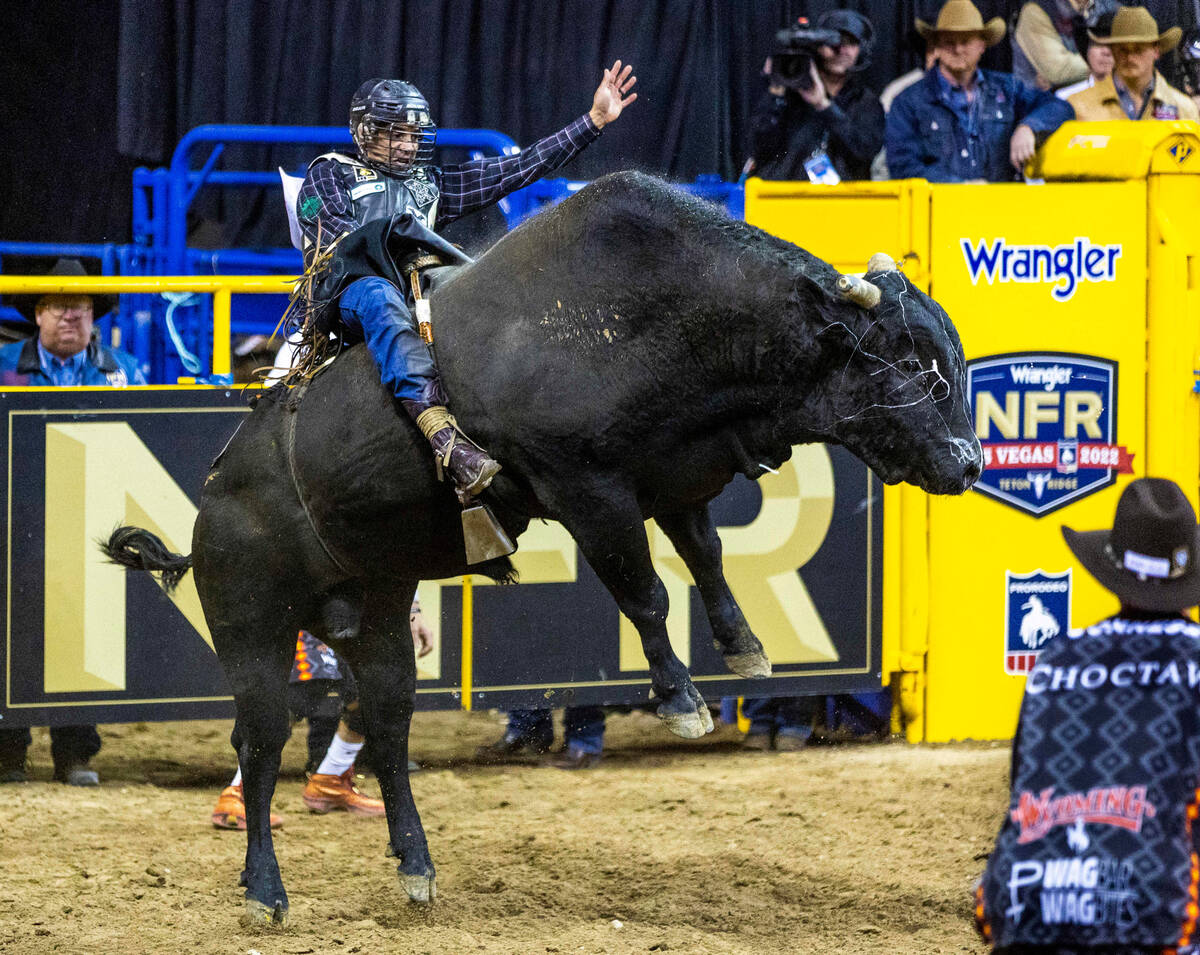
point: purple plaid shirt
(466, 187)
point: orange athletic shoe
(325, 792)
(230, 810)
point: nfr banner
(87, 642)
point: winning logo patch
(1047, 424)
(1037, 608)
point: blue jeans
(68, 744)
(583, 727)
(374, 309)
(783, 715)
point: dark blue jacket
(21, 366)
(927, 140)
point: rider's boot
(469, 466)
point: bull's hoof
(752, 666)
(420, 888)
(258, 915)
(688, 725)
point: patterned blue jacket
(1099, 847)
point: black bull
(623, 355)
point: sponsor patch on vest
(422, 192)
(1165, 111)
(364, 174)
(365, 189)
(1037, 608)
(1063, 266)
(1121, 806)
(1047, 423)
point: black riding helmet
(392, 117)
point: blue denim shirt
(933, 134)
(27, 363)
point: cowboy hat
(66, 268)
(1151, 557)
(1136, 25)
(962, 16)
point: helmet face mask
(391, 126)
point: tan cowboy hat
(1136, 25)
(962, 16)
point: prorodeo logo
(1064, 265)
(1122, 806)
(1047, 423)
(1037, 608)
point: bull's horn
(881, 262)
(859, 291)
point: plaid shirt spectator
(465, 188)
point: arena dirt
(690, 847)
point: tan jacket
(1101, 102)
(1044, 48)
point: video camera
(793, 56)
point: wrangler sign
(84, 641)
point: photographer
(818, 122)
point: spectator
(1097, 851)
(782, 723)
(1189, 56)
(321, 688)
(879, 168)
(824, 126)
(1099, 60)
(961, 123)
(531, 733)
(1135, 90)
(64, 352)
(1044, 46)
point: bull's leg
(695, 538)
(384, 668)
(612, 536)
(258, 672)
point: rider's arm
(473, 185)
(323, 199)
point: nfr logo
(1047, 423)
(1037, 608)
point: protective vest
(376, 195)
(1098, 846)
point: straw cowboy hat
(1151, 557)
(962, 16)
(1136, 25)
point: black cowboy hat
(1150, 557)
(66, 268)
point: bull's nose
(971, 475)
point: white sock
(237, 777)
(339, 757)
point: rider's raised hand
(611, 96)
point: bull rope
(292, 411)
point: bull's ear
(881, 262)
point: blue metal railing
(162, 198)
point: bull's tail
(138, 549)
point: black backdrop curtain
(92, 88)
